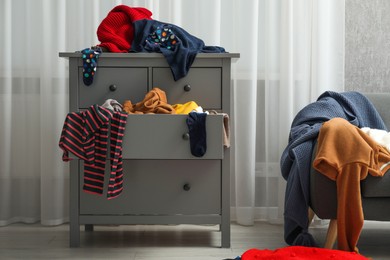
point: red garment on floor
(300, 252)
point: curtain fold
(291, 51)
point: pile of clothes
(132, 29)
(321, 121)
(86, 134)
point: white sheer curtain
(301, 55)
(291, 51)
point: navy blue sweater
(177, 45)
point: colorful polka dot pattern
(90, 57)
(164, 37)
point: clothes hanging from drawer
(196, 123)
(226, 127)
(85, 134)
(90, 57)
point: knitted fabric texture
(300, 252)
(295, 161)
(116, 31)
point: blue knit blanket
(295, 161)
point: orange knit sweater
(154, 102)
(346, 154)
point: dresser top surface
(148, 55)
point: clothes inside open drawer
(160, 136)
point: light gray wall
(367, 69)
(367, 45)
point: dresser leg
(88, 227)
(74, 225)
(74, 235)
(225, 193)
(225, 236)
(225, 229)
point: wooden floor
(152, 242)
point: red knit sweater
(116, 31)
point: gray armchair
(375, 190)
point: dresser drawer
(156, 187)
(202, 85)
(112, 82)
(158, 136)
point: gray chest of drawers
(163, 182)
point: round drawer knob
(112, 87)
(186, 136)
(186, 187)
(187, 88)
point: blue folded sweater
(177, 45)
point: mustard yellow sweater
(347, 155)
